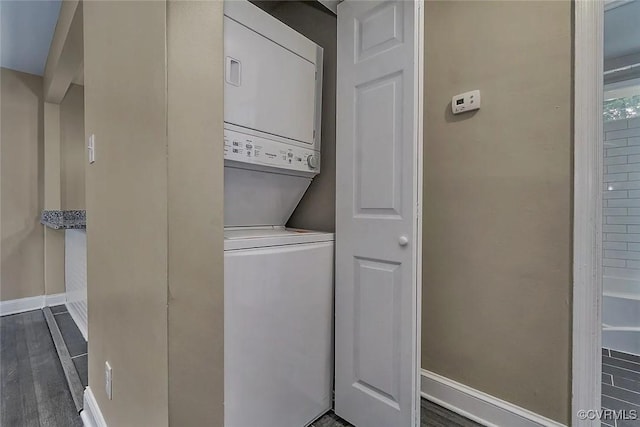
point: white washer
(278, 326)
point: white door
(377, 196)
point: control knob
(312, 161)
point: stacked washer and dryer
(278, 281)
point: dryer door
(268, 88)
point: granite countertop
(64, 219)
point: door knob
(403, 240)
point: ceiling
(622, 30)
(26, 30)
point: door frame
(419, 56)
(587, 208)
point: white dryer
(278, 282)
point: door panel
(379, 29)
(377, 315)
(378, 140)
(376, 214)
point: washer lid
(261, 237)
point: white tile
(615, 211)
(616, 177)
(633, 229)
(608, 262)
(620, 272)
(622, 254)
(634, 159)
(615, 125)
(634, 194)
(633, 264)
(609, 152)
(622, 237)
(633, 123)
(624, 133)
(623, 194)
(623, 220)
(633, 141)
(633, 211)
(617, 246)
(635, 176)
(617, 160)
(623, 203)
(608, 228)
(633, 167)
(634, 246)
(628, 185)
(612, 143)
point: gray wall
(153, 99)
(196, 205)
(22, 185)
(72, 149)
(126, 203)
(497, 201)
(316, 210)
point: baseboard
(91, 415)
(55, 299)
(21, 305)
(478, 406)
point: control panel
(245, 148)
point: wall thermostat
(464, 102)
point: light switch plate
(464, 102)
(108, 378)
(91, 147)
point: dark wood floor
(431, 415)
(33, 385)
(35, 392)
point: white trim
(91, 414)
(79, 319)
(331, 5)
(587, 230)
(478, 406)
(55, 299)
(419, 142)
(21, 305)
